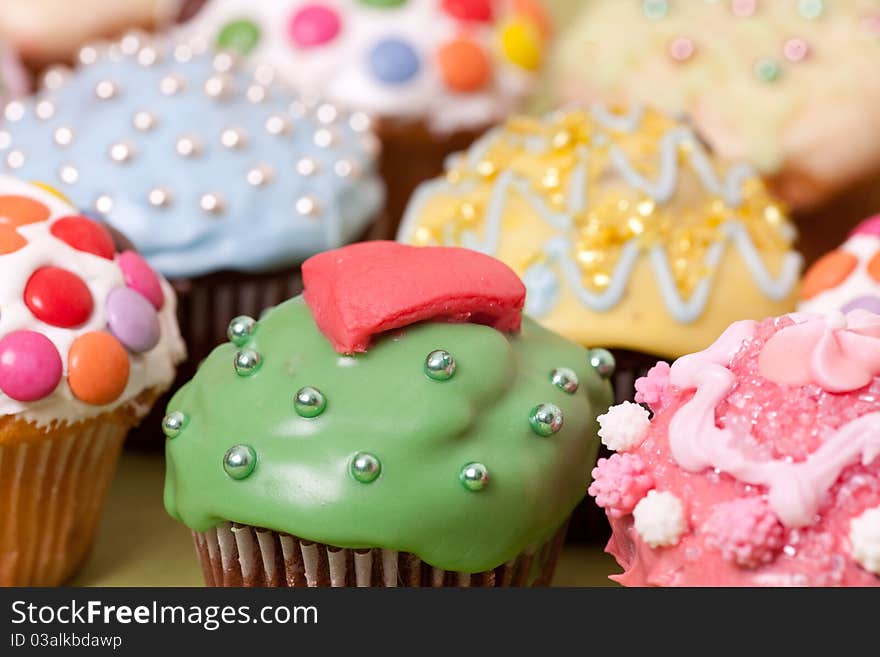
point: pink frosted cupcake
(760, 465)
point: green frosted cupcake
(400, 424)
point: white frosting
(858, 284)
(154, 368)
(624, 426)
(864, 535)
(338, 71)
(659, 519)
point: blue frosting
(302, 180)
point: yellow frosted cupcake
(628, 234)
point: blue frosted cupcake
(223, 180)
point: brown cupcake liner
(234, 555)
(411, 155)
(52, 491)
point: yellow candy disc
(521, 43)
(54, 192)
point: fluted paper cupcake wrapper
(51, 495)
(241, 555)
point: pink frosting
(870, 226)
(650, 389)
(839, 354)
(771, 474)
(619, 482)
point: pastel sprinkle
(393, 61)
(767, 70)
(681, 49)
(655, 9)
(139, 276)
(810, 9)
(743, 8)
(314, 25)
(795, 49)
(30, 366)
(872, 24)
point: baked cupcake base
(53, 482)
(240, 555)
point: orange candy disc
(874, 267)
(97, 368)
(20, 210)
(829, 271)
(535, 12)
(10, 241)
(464, 65)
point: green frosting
(422, 431)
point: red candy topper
(362, 290)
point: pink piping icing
(794, 490)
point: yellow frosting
(593, 209)
(791, 86)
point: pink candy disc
(140, 276)
(314, 25)
(30, 366)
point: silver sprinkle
(218, 86)
(223, 62)
(256, 93)
(106, 89)
(55, 77)
(88, 55)
(324, 138)
(233, 138)
(45, 110)
(68, 174)
(130, 43)
(15, 159)
(183, 53)
(144, 121)
(148, 56)
(212, 203)
(160, 197)
(344, 168)
(277, 124)
(14, 111)
(122, 151)
(327, 113)
(188, 146)
(359, 122)
(307, 206)
(63, 136)
(260, 175)
(264, 74)
(306, 167)
(171, 85)
(104, 204)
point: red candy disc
(58, 297)
(365, 289)
(86, 235)
(469, 10)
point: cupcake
(49, 31)
(627, 234)
(223, 183)
(847, 278)
(434, 75)
(760, 464)
(88, 342)
(404, 397)
(790, 87)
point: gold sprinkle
(486, 169)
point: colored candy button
(464, 65)
(30, 366)
(314, 25)
(385, 4)
(869, 303)
(21, 210)
(469, 10)
(829, 271)
(393, 61)
(97, 368)
(533, 10)
(874, 267)
(10, 240)
(58, 297)
(241, 36)
(85, 235)
(521, 44)
(132, 319)
(140, 276)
